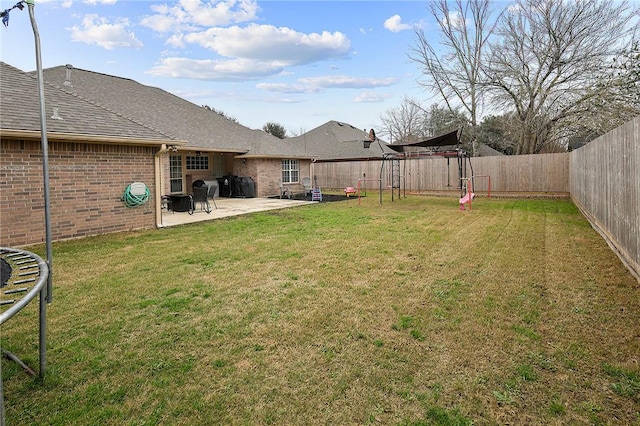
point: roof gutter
(96, 139)
(277, 156)
(193, 148)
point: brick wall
(269, 171)
(86, 184)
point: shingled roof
(68, 117)
(337, 141)
(202, 129)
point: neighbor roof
(483, 150)
(336, 141)
(75, 119)
(202, 129)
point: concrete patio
(229, 207)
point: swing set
(451, 139)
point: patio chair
(284, 190)
(306, 183)
(200, 195)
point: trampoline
(23, 276)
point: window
(197, 162)
(175, 173)
(290, 171)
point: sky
(296, 63)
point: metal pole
(381, 170)
(45, 295)
(404, 176)
(1, 399)
(364, 175)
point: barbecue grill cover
(247, 187)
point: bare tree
(405, 123)
(548, 66)
(455, 74)
(411, 122)
(299, 132)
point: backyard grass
(406, 313)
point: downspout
(158, 190)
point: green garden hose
(136, 196)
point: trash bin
(224, 186)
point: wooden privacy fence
(605, 185)
(520, 174)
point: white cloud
(262, 49)
(268, 43)
(99, 31)
(371, 97)
(251, 52)
(514, 8)
(287, 88)
(346, 82)
(456, 20)
(65, 3)
(68, 3)
(176, 40)
(216, 70)
(317, 84)
(194, 14)
(395, 25)
(95, 2)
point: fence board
(523, 173)
(605, 185)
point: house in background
(94, 154)
(338, 141)
(215, 147)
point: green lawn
(406, 313)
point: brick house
(106, 132)
(94, 154)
